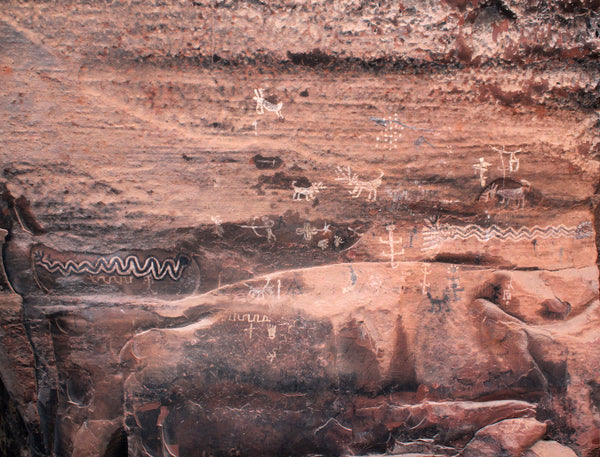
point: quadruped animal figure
(309, 193)
(514, 193)
(262, 104)
(439, 304)
(358, 184)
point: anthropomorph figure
(482, 168)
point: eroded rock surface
(299, 228)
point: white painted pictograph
(267, 225)
(309, 193)
(481, 168)
(513, 160)
(434, 234)
(218, 228)
(391, 242)
(271, 331)
(507, 293)
(424, 283)
(389, 139)
(358, 185)
(260, 292)
(308, 231)
(262, 104)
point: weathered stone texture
(245, 228)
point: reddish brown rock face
(299, 228)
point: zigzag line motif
(130, 266)
(434, 234)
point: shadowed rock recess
(299, 228)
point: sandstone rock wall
(245, 228)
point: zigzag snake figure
(130, 266)
(434, 234)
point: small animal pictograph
(263, 104)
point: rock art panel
(299, 228)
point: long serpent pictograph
(114, 265)
(434, 234)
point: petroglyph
(131, 271)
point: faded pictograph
(359, 185)
(108, 280)
(439, 305)
(454, 282)
(260, 292)
(426, 270)
(218, 227)
(267, 226)
(352, 282)
(391, 135)
(509, 196)
(401, 197)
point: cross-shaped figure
(391, 243)
(307, 232)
